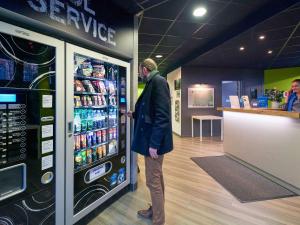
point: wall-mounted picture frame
(201, 97)
(177, 84)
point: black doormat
(243, 183)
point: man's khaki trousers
(155, 183)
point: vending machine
(97, 135)
(31, 128)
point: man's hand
(153, 153)
(129, 114)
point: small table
(207, 117)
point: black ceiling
(167, 27)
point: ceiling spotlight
(242, 48)
(262, 37)
(158, 56)
(198, 12)
(270, 52)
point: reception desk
(267, 141)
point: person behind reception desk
(293, 98)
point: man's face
(296, 87)
(142, 74)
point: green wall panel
(280, 78)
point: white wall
(171, 77)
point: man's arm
(161, 111)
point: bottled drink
(77, 122)
(90, 119)
(83, 116)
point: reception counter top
(262, 111)
(267, 141)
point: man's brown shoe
(146, 213)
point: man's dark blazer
(152, 118)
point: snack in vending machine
(78, 160)
(77, 142)
(88, 86)
(89, 101)
(98, 71)
(96, 84)
(99, 152)
(95, 101)
(102, 87)
(83, 155)
(89, 156)
(83, 100)
(104, 153)
(77, 101)
(83, 140)
(86, 68)
(99, 100)
(103, 100)
(111, 88)
(78, 86)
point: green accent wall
(281, 78)
(141, 87)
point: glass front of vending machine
(31, 130)
(97, 130)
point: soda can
(89, 156)
(94, 138)
(99, 152)
(83, 140)
(104, 136)
(99, 137)
(103, 151)
(78, 160)
(83, 156)
(94, 154)
(89, 138)
(77, 142)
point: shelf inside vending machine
(79, 77)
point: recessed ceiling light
(242, 48)
(198, 12)
(270, 51)
(158, 56)
(262, 37)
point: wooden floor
(194, 198)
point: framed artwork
(201, 97)
(177, 111)
(177, 84)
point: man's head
(146, 67)
(296, 86)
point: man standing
(153, 135)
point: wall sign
(97, 21)
(201, 97)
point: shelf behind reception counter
(263, 111)
(266, 140)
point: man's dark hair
(297, 81)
